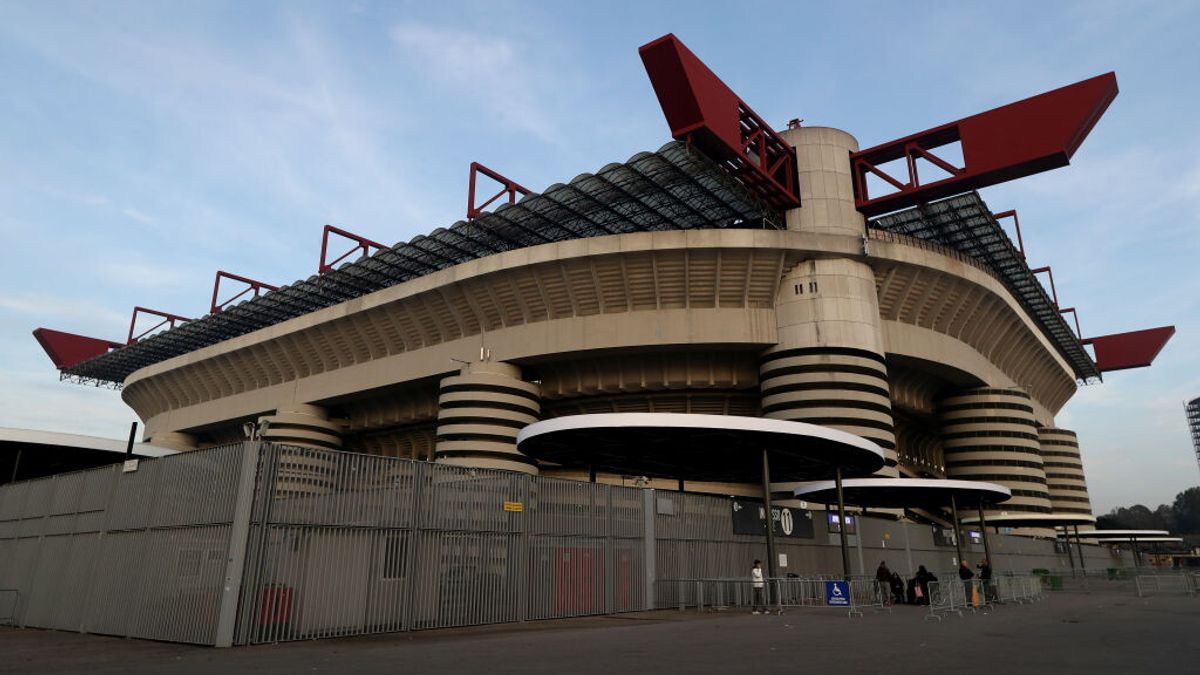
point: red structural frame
(362, 243)
(1050, 273)
(68, 349)
(703, 111)
(508, 187)
(251, 285)
(168, 319)
(1020, 139)
(1016, 224)
(1072, 312)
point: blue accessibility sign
(837, 593)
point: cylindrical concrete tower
(1064, 471)
(480, 412)
(828, 367)
(300, 426)
(991, 435)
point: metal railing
(775, 594)
(1166, 584)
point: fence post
(524, 598)
(649, 511)
(421, 473)
(239, 533)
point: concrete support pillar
(1064, 471)
(480, 411)
(828, 367)
(173, 440)
(991, 435)
(297, 427)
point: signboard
(514, 507)
(750, 518)
(835, 524)
(837, 593)
(129, 466)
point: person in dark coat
(897, 588)
(883, 582)
(965, 573)
(923, 578)
(985, 575)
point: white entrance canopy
(904, 492)
(1035, 519)
(1121, 535)
(698, 447)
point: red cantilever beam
(167, 319)
(508, 187)
(704, 111)
(362, 243)
(1012, 141)
(251, 285)
(1135, 349)
(69, 349)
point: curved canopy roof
(675, 188)
(698, 447)
(904, 492)
(1021, 519)
(1141, 540)
(1120, 534)
(966, 224)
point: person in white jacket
(756, 579)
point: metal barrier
(869, 594)
(8, 606)
(777, 594)
(945, 597)
(1165, 584)
(1018, 589)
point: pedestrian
(965, 573)
(985, 577)
(923, 578)
(897, 589)
(756, 581)
(883, 581)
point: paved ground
(1071, 632)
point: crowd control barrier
(1165, 584)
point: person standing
(985, 576)
(965, 573)
(756, 581)
(883, 580)
(923, 578)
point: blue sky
(145, 145)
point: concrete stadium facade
(915, 346)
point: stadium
(733, 271)
(441, 432)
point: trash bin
(1056, 582)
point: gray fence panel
(138, 553)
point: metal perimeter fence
(255, 542)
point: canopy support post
(842, 524)
(766, 486)
(957, 528)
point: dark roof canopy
(928, 493)
(698, 447)
(676, 188)
(966, 224)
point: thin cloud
(490, 69)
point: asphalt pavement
(1069, 632)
